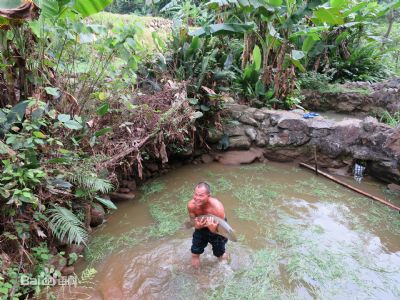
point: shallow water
(300, 237)
(335, 116)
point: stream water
(300, 237)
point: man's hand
(206, 222)
(200, 223)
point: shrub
(314, 80)
(364, 64)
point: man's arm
(197, 222)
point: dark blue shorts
(203, 236)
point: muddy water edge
(301, 236)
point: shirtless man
(205, 229)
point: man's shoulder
(215, 202)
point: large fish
(223, 228)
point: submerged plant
(258, 281)
(151, 188)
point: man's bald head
(204, 185)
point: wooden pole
(352, 187)
(315, 159)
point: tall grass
(392, 120)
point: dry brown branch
(137, 145)
(25, 11)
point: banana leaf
(223, 29)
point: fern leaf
(63, 222)
(106, 202)
(92, 182)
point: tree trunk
(249, 42)
(390, 18)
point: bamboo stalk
(352, 187)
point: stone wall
(376, 98)
(287, 136)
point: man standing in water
(205, 229)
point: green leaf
(196, 115)
(297, 55)
(5, 193)
(193, 101)
(91, 182)
(37, 113)
(204, 107)
(257, 57)
(314, 31)
(86, 38)
(270, 93)
(103, 131)
(342, 37)
(39, 134)
(35, 26)
(308, 44)
(158, 41)
(49, 8)
(63, 222)
(59, 183)
(63, 118)
(355, 8)
(4, 21)
(272, 31)
(274, 2)
(27, 195)
(223, 29)
(393, 5)
(102, 110)
(194, 46)
(90, 7)
(337, 3)
(102, 96)
(331, 16)
(107, 203)
(17, 112)
(259, 88)
(298, 65)
(72, 124)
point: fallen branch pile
(149, 127)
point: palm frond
(91, 181)
(63, 222)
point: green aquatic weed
(151, 188)
(260, 280)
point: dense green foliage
(272, 42)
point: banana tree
(345, 23)
(275, 22)
(291, 33)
